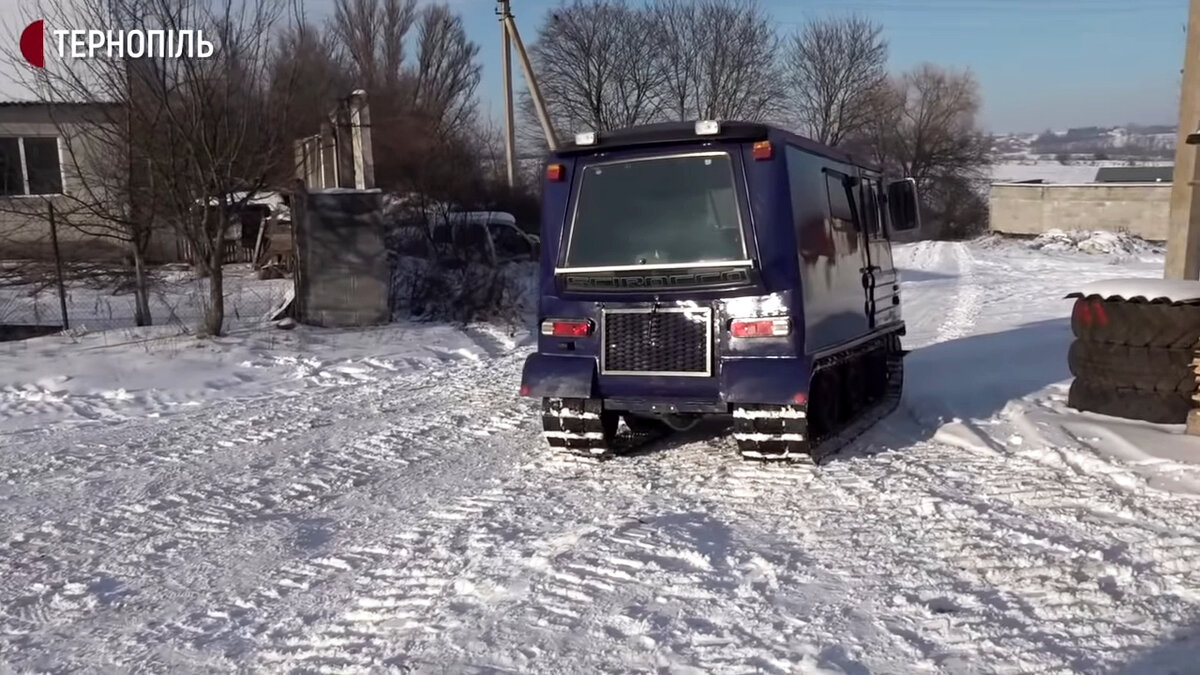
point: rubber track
(580, 427)
(813, 450)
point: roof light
(585, 138)
(708, 128)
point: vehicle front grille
(669, 341)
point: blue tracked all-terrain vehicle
(717, 268)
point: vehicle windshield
(660, 211)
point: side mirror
(903, 206)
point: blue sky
(1042, 63)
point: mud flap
(769, 381)
(547, 376)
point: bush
(434, 290)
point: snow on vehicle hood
(1148, 290)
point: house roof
(1135, 174)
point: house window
(29, 166)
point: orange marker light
(763, 150)
(555, 173)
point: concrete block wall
(343, 277)
(1142, 209)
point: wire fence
(100, 298)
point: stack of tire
(1133, 358)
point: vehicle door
(880, 282)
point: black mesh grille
(659, 342)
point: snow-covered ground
(343, 501)
(1077, 171)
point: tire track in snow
(960, 318)
(396, 598)
(996, 554)
(495, 557)
(273, 605)
(148, 533)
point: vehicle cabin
(715, 267)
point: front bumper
(778, 381)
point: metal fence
(99, 299)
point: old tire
(1172, 326)
(1137, 324)
(1099, 320)
(1140, 368)
(1149, 406)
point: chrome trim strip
(709, 347)
(651, 268)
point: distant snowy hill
(1075, 155)
(1133, 142)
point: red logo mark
(33, 43)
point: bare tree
(597, 66)
(305, 61)
(372, 34)
(721, 60)
(447, 72)
(226, 127)
(929, 131)
(413, 99)
(171, 141)
(835, 68)
(105, 122)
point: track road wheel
(579, 426)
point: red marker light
(555, 173)
(752, 328)
(567, 327)
(763, 150)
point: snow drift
(1095, 242)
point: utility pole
(510, 137)
(1183, 234)
(539, 104)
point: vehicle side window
(871, 209)
(839, 201)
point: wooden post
(509, 124)
(539, 103)
(62, 289)
(1183, 233)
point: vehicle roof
(663, 133)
